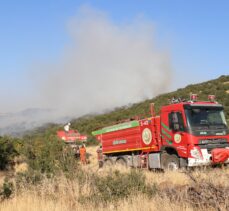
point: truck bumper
(207, 159)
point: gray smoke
(105, 65)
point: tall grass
(118, 188)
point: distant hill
(16, 124)
(218, 87)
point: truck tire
(121, 162)
(170, 162)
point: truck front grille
(211, 144)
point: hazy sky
(190, 38)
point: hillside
(218, 87)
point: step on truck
(185, 133)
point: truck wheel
(170, 162)
(121, 162)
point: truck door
(178, 136)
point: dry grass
(21, 167)
(60, 194)
(28, 202)
(66, 199)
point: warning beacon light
(211, 98)
(193, 97)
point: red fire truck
(185, 133)
(73, 139)
(71, 136)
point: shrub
(49, 155)
(7, 152)
(6, 189)
(92, 141)
(118, 186)
(28, 178)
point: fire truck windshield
(206, 120)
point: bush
(49, 155)
(7, 152)
(28, 178)
(118, 186)
(7, 189)
(92, 141)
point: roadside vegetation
(117, 188)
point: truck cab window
(176, 121)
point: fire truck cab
(191, 131)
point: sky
(36, 35)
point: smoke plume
(106, 65)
